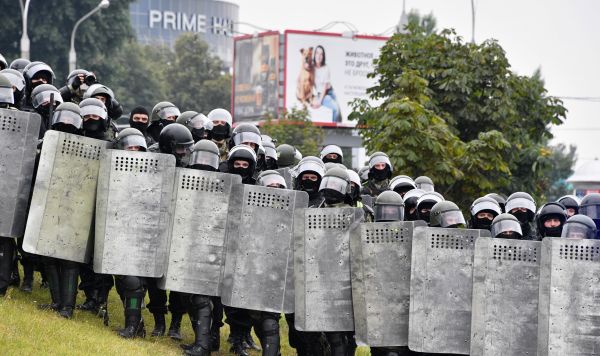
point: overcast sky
(561, 37)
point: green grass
(26, 330)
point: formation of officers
(85, 107)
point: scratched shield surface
(18, 147)
(322, 270)
(506, 275)
(61, 217)
(259, 254)
(197, 244)
(569, 312)
(133, 213)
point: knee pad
(132, 284)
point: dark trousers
(158, 299)
(7, 255)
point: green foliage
(295, 128)
(562, 159)
(455, 111)
(427, 22)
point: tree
(195, 77)
(295, 128)
(427, 22)
(456, 112)
(562, 159)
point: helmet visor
(44, 98)
(334, 183)
(6, 96)
(379, 159)
(205, 158)
(427, 187)
(402, 184)
(196, 122)
(66, 117)
(270, 152)
(592, 211)
(168, 112)
(93, 110)
(451, 218)
(311, 166)
(575, 230)
(485, 205)
(16, 81)
(247, 137)
(520, 203)
(384, 212)
(506, 226)
(273, 179)
(127, 142)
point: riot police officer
(18, 86)
(506, 226)
(550, 220)
(44, 99)
(522, 206)
(270, 155)
(286, 155)
(35, 74)
(411, 198)
(402, 184)
(138, 119)
(163, 114)
(425, 183)
(425, 203)
(198, 124)
(579, 227)
(309, 173)
(590, 206)
(483, 211)
(380, 172)
(571, 202)
(389, 206)
(7, 99)
(106, 95)
(222, 123)
(332, 153)
(78, 82)
(446, 214)
(131, 139)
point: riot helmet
(267, 138)
(297, 156)
(271, 179)
(309, 173)
(380, 167)
(355, 186)
(18, 84)
(3, 62)
(332, 153)
(446, 214)
(389, 206)
(131, 139)
(270, 154)
(163, 114)
(246, 134)
(335, 185)
(205, 156)
(522, 206)
(579, 227)
(177, 140)
(285, 155)
(19, 64)
(80, 80)
(139, 119)
(425, 203)
(550, 219)
(402, 184)
(411, 199)
(500, 199)
(506, 226)
(241, 160)
(425, 183)
(42, 96)
(571, 202)
(330, 165)
(94, 114)
(483, 211)
(198, 124)
(590, 206)
(35, 74)
(363, 173)
(222, 122)
(67, 118)
(261, 159)
(6, 91)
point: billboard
(256, 76)
(326, 71)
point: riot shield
(506, 275)
(380, 259)
(18, 146)
(322, 268)
(441, 286)
(196, 252)
(60, 221)
(259, 255)
(287, 175)
(133, 213)
(569, 316)
(367, 200)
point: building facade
(161, 22)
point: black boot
(68, 286)
(236, 337)
(7, 252)
(134, 324)
(215, 338)
(102, 303)
(249, 341)
(53, 276)
(175, 327)
(28, 268)
(91, 301)
(201, 322)
(269, 336)
(159, 325)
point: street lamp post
(24, 37)
(72, 55)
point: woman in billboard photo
(323, 89)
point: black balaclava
(142, 127)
